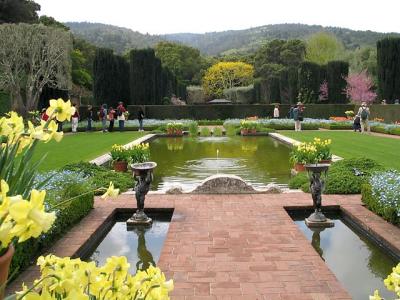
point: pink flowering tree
(323, 91)
(359, 88)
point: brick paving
(234, 246)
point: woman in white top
(276, 111)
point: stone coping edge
(292, 142)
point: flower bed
(382, 195)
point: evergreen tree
(309, 82)
(337, 71)
(388, 54)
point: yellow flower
(61, 109)
(52, 131)
(375, 296)
(30, 217)
(111, 192)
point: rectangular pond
(188, 161)
(358, 261)
(141, 245)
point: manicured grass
(80, 147)
(348, 144)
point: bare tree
(32, 57)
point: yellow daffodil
(52, 131)
(61, 109)
(111, 192)
(375, 296)
(30, 217)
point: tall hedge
(284, 86)
(388, 56)
(336, 72)
(293, 78)
(149, 81)
(110, 77)
(309, 81)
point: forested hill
(214, 43)
(119, 39)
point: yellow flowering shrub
(66, 278)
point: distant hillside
(119, 39)
(214, 43)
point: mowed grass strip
(349, 144)
(80, 147)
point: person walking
(89, 115)
(298, 116)
(276, 111)
(103, 117)
(140, 118)
(111, 118)
(364, 113)
(74, 118)
(121, 116)
(290, 112)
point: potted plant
(323, 150)
(349, 114)
(139, 153)
(302, 154)
(247, 127)
(175, 128)
(120, 157)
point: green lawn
(348, 144)
(80, 147)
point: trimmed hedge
(336, 72)
(67, 216)
(373, 204)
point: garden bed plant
(344, 177)
(381, 194)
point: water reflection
(359, 264)
(316, 241)
(141, 246)
(145, 258)
(188, 161)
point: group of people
(295, 113)
(105, 114)
(108, 114)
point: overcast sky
(173, 16)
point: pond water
(141, 245)
(188, 161)
(357, 262)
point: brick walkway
(235, 246)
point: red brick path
(235, 246)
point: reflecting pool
(141, 245)
(357, 262)
(188, 161)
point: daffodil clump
(304, 153)
(20, 218)
(323, 148)
(66, 278)
(134, 154)
(392, 283)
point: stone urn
(317, 174)
(143, 175)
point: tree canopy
(18, 11)
(225, 75)
(184, 62)
(323, 47)
(276, 55)
(33, 57)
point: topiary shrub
(346, 176)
